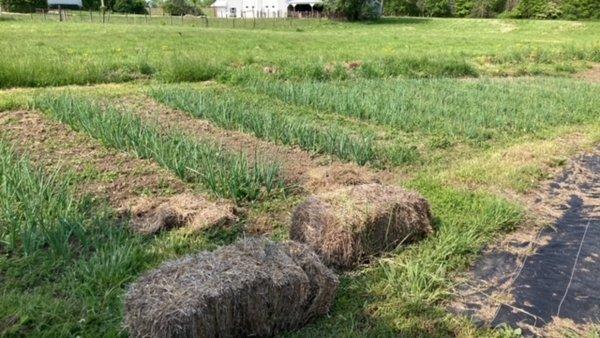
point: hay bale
(150, 215)
(348, 225)
(254, 287)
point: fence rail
(294, 20)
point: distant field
(49, 53)
(472, 114)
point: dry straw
(254, 287)
(193, 212)
(348, 225)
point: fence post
(182, 19)
(171, 18)
(206, 21)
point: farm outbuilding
(263, 8)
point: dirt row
(152, 196)
(311, 173)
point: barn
(264, 8)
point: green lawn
(417, 98)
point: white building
(262, 8)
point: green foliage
(66, 261)
(402, 7)
(407, 47)
(22, 6)
(527, 9)
(36, 209)
(233, 111)
(353, 10)
(130, 6)
(467, 112)
(223, 173)
(180, 7)
(439, 8)
(536, 9)
(479, 8)
(580, 9)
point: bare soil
(591, 75)
(130, 184)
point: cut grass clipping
(216, 170)
(231, 112)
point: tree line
(520, 9)
(368, 9)
(173, 7)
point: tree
(130, 6)
(354, 9)
(22, 6)
(180, 7)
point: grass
(230, 111)
(213, 168)
(38, 212)
(449, 111)
(66, 261)
(51, 54)
(404, 292)
(412, 95)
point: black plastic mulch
(562, 278)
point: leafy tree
(130, 6)
(580, 9)
(536, 9)
(22, 6)
(440, 8)
(402, 7)
(479, 8)
(180, 7)
(353, 10)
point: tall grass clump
(223, 173)
(55, 71)
(229, 111)
(185, 68)
(456, 110)
(36, 208)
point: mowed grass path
(49, 53)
